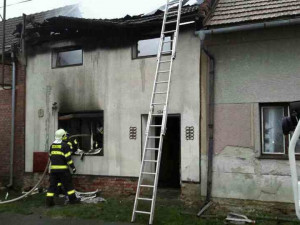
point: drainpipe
(13, 110)
(2, 84)
(210, 151)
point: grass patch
(116, 209)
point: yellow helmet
(60, 134)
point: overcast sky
(90, 8)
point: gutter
(255, 26)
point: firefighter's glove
(74, 170)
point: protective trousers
(66, 179)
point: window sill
(277, 157)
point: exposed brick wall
(107, 185)
(5, 127)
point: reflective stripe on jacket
(60, 157)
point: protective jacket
(60, 157)
(73, 144)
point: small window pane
(149, 47)
(273, 139)
(67, 58)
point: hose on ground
(29, 192)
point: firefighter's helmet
(60, 134)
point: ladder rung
(168, 32)
(172, 21)
(173, 3)
(145, 185)
(160, 93)
(156, 103)
(148, 173)
(167, 41)
(166, 52)
(155, 125)
(143, 212)
(164, 71)
(153, 136)
(186, 23)
(145, 199)
(148, 160)
(157, 114)
(166, 61)
(172, 12)
(161, 82)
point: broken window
(87, 129)
(67, 57)
(149, 47)
(273, 141)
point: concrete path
(17, 219)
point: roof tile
(245, 11)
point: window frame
(134, 48)
(83, 115)
(55, 52)
(286, 138)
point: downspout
(2, 84)
(13, 110)
(210, 151)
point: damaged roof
(129, 26)
(232, 12)
(10, 25)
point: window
(149, 47)
(67, 57)
(274, 143)
(87, 128)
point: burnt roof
(10, 24)
(63, 27)
(232, 12)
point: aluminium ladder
(293, 167)
(158, 108)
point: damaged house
(94, 78)
(235, 72)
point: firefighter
(60, 157)
(73, 144)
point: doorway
(169, 174)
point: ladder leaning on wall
(158, 108)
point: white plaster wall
(110, 80)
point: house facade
(256, 75)
(101, 75)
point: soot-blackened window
(87, 129)
(63, 57)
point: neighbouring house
(255, 46)
(88, 74)
(12, 44)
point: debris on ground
(89, 197)
(235, 218)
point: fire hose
(29, 192)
